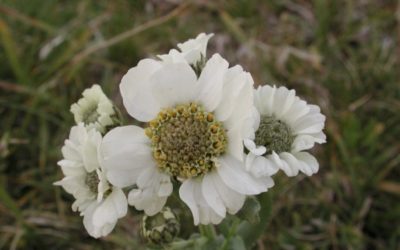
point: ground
(342, 55)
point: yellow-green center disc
(186, 140)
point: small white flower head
(285, 126)
(100, 203)
(193, 51)
(94, 109)
(196, 126)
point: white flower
(284, 127)
(94, 109)
(100, 203)
(192, 51)
(196, 127)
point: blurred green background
(342, 55)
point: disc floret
(186, 140)
(92, 180)
(275, 135)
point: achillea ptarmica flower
(94, 109)
(285, 126)
(193, 52)
(100, 203)
(161, 228)
(196, 126)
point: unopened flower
(161, 228)
(195, 132)
(285, 126)
(100, 203)
(94, 109)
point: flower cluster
(209, 136)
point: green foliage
(341, 55)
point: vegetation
(342, 55)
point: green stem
(207, 231)
(231, 233)
(251, 232)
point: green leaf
(237, 243)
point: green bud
(161, 228)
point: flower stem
(207, 231)
(251, 232)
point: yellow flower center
(186, 140)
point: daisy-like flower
(196, 126)
(100, 203)
(285, 126)
(94, 109)
(193, 51)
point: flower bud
(161, 228)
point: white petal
(211, 195)
(88, 222)
(319, 137)
(256, 118)
(285, 161)
(146, 200)
(296, 111)
(235, 142)
(232, 200)
(153, 179)
(89, 151)
(310, 164)
(72, 184)
(251, 146)
(260, 166)
(153, 190)
(191, 193)
(71, 152)
(136, 91)
(211, 82)
(243, 105)
(78, 134)
(303, 142)
(113, 207)
(194, 48)
(233, 173)
(71, 168)
(126, 154)
(289, 164)
(174, 84)
(264, 99)
(186, 192)
(309, 124)
(283, 100)
(173, 56)
(234, 81)
(166, 186)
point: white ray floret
(100, 203)
(284, 127)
